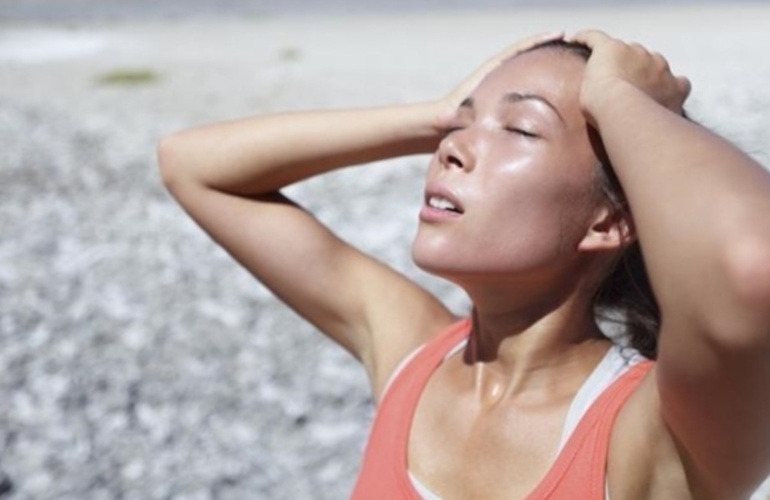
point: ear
(611, 230)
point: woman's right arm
(227, 177)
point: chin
(433, 260)
(422, 259)
(444, 263)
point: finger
(535, 40)
(527, 44)
(684, 85)
(517, 48)
(661, 61)
(638, 47)
(470, 83)
(591, 38)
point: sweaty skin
(519, 164)
(523, 172)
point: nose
(456, 150)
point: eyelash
(515, 130)
(522, 132)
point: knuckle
(660, 60)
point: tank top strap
(582, 464)
(383, 469)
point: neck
(538, 343)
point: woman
(527, 398)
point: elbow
(746, 299)
(748, 271)
(169, 152)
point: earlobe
(611, 230)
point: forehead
(551, 74)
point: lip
(431, 214)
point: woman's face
(511, 189)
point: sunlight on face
(512, 186)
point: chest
(461, 446)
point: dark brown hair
(625, 296)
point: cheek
(519, 222)
(522, 215)
(534, 193)
(526, 223)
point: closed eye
(520, 131)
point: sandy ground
(137, 361)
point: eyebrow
(514, 97)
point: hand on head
(615, 62)
(448, 106)
(612, 62)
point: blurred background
(101, 10)
(136, 360)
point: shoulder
(393, 347)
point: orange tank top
(579, 472)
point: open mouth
(441, 203)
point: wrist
(438, 114)
(415, 126)
(611, 95)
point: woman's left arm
(701, 210)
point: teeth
(441, 203)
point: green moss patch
(128, 77)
